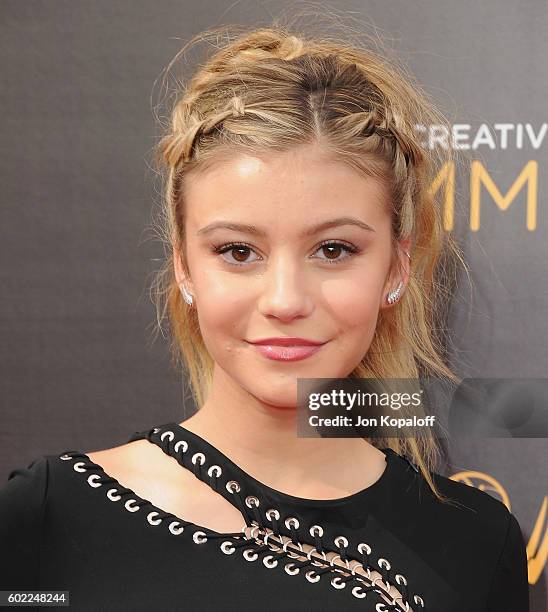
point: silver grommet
(291, 572)
(419, 600)
(400, 577)
(291, 521)
(336, 582)
(111, 494)
(362, 546)
(251, 501)
(272, 513)
(268, 563)
(92, 480)
(65, 457)
(311, 576)
(214, 469)
(155, 430)
(338, 539)
(176, 527)
(128, 505)
(233, 487)
(78, 466)
(151, 520)
(358, 592)
(167, 434)
(197, 456)
(179, 444)
(317, 528)
(227, 547)
(199, 537)
(250, 555)
(384, 563)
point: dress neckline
(206, 446)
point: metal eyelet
(65, 457)
(199, 537)
(419, 600)
(250, 555)
(292, 572)
(233, 487)
(197, 456)
(272, 513)
(175, 530)
(180, 443)
(92, 481)
(339, 539)
(155, 430)
(151, 520)
(129, 507)
(358, 592)
(291, 520)
(214, 468)
(111, 494)
(384, 563)
(268, 563)
(78, 466)
(311, 576)
(167, 434)
(362, 546)
(227, 547)
(317, 528)
(336, 582)
(403, 579)
(251, 501)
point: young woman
(305, 244)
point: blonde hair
(272, 89)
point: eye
(334, 247)
(239, 248)
(240, 252)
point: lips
(287, 341)
(287, 353)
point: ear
(180, 274)
(398, 273)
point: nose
(285, 294)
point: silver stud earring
(394, 295)
(186, 295)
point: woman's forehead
(251, 191)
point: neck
(262, 440)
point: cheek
(221, 312)
(354, 301)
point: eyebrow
(310, 231)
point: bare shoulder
(145, 469)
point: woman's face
(278, 275)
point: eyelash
(350, 248)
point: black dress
(67, 525)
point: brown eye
(332, 251)
(240, 253)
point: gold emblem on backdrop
(526, 182)
(537, 548)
